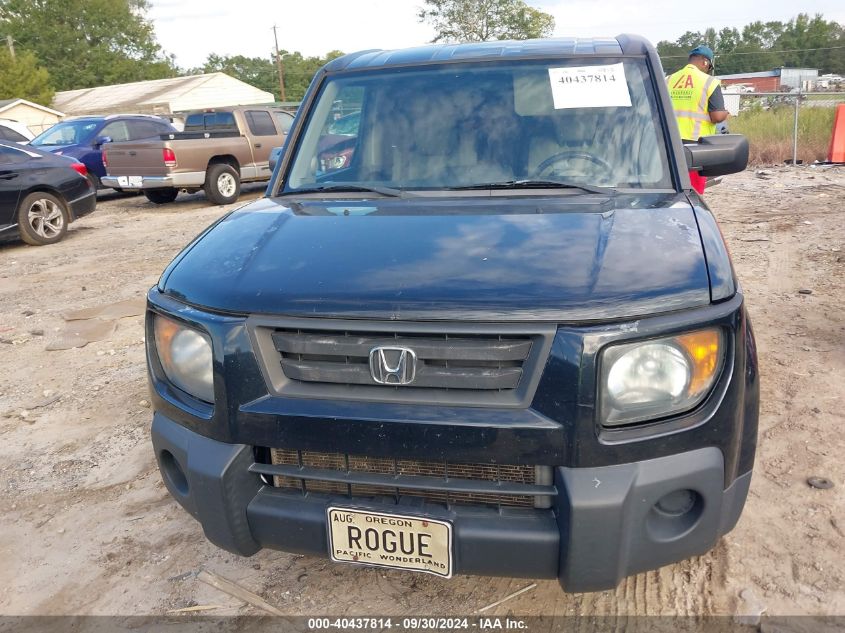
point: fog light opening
(674, 515)
(677, 503)
(173, 473)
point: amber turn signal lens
(649, 380)
(165, 330)
(705, 350)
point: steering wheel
(545, 167)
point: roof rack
(149, 116)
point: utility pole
(795, 129)
(280, 67)
(11, 43)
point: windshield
(588, 122)
(67, 133)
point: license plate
(390, 540)
(130, 181)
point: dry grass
(769, 133)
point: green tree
(256, 71)
(803, 41)
(299, 71)
(22, 78)
(815, 40)
(87, 43)
(763, 35)
(262, 72)
(484, 20)
(756, 50)
(672, 55)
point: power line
(794, 50)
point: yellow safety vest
(690, 90)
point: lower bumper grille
(435, 481)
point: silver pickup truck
(217, 151)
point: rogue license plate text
(388, 540)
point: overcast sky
(192, 29)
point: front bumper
(139, 183)
(604, 523)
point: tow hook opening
(174, 474)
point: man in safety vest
(697, 100)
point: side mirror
(102, 140)
(275, 155)
(717, 155)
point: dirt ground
(87, 526)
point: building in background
(831, 81)
(162, 96)
(777, 80)
(799, 78)
(33, 115)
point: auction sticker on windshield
(589, 87)
(390, 540)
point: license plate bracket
(384, 539)
(130, 181)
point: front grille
(464, 364)
(442, 362)
(435, 481)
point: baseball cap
(704, 51)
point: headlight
(653, 379)
(185, 356)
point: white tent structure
(162, 96)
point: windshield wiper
(384, 191)
(534, 184)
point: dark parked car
(40, 194)
(503, 337)
(83, 138)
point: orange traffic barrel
(836, 154)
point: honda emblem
(393, 365)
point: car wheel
(42, 219)
(161, 196)
(222, 184)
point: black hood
(571, 257)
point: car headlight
(652, 379)
(185, 356)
